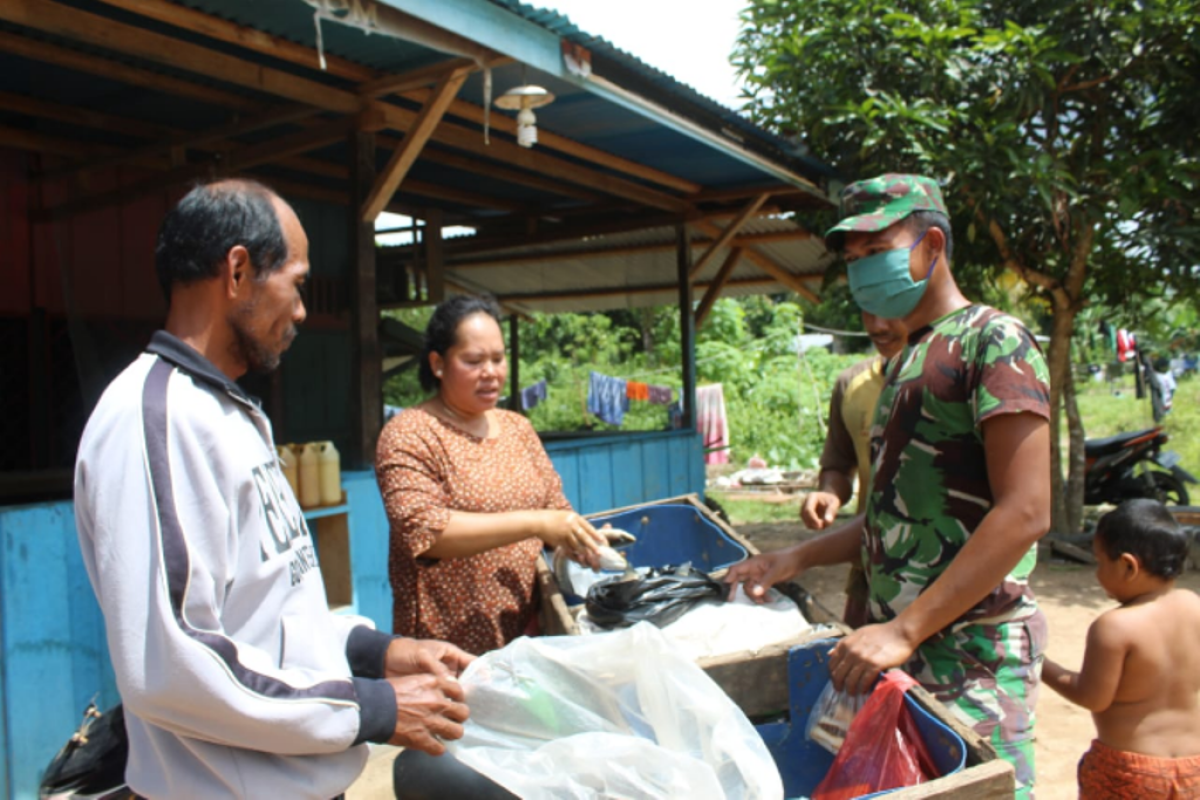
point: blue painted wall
(55, 658)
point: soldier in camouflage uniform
(960, 480)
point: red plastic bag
(883, 748)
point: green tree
(1063, 131)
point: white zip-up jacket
(237, 680)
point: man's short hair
(212, 219)
(920, 221)
(1146, 530)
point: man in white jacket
(236, 678)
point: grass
(1107, 409)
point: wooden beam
(114, 70)
(728, 233)
(423, 77)
(621, 291)
(101, 32)
(718, 283)
(745, 192)
(531, 159)
(367, 359)
(142, 43)
(80, 117)
(183, 140)
(435, 257)
(240, 159)
(553, 141)
(36, 142)
(791, 281)
(493, 170)
(687, 325)
(404, 156)
(244, 36)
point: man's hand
(429, 708)
(424, 657)
(820, 510)
(856, 661)
(762, 572)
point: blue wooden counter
(55, 657)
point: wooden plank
(628, 484)
(566, 464)
(992, 780)
(404, 156)
(117, 71)
(80, 117)
(435, 262)
(714, 291)
(728, 233)
(1072, 551)
(656, 469)
(595, 480)
(553, 141)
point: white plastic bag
(831, 716)
(618, 714)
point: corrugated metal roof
(621, 270)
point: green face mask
(882, 283)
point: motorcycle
(1119, 468)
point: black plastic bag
(660, 597)
(93, 759)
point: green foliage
(776, 401)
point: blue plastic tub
(803, 764)
(674, 533)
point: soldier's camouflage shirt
(929, 481)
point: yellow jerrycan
(310, 476)
(290, 466)
(331, 473)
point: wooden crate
(758, 681)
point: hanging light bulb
(523, 99)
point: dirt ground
(1067, 592)
(1071, 599)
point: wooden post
(435, 259)
(514, 363)
(366, 357)
(687, 325)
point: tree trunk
(1059, 361)
(1077, 465)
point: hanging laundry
(532, 395)
(675, 415)
(659, 395)
(608, 398)
(635, 390)
(712, 423)
(1126, 345)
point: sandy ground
(1070, 598)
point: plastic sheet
(883, 748)
(831, 717)
(620, 714)
(741, 625)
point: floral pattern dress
(428, 468)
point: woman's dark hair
(1146, 530)
(211, 220)
(442, 331)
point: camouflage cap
(877, 203)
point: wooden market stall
(638, 191)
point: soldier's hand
(819, 510)
(856, 661)
(429, 708)
(762, 572)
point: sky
(689, 40)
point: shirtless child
(1141, 669)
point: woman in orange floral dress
(470, 494)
